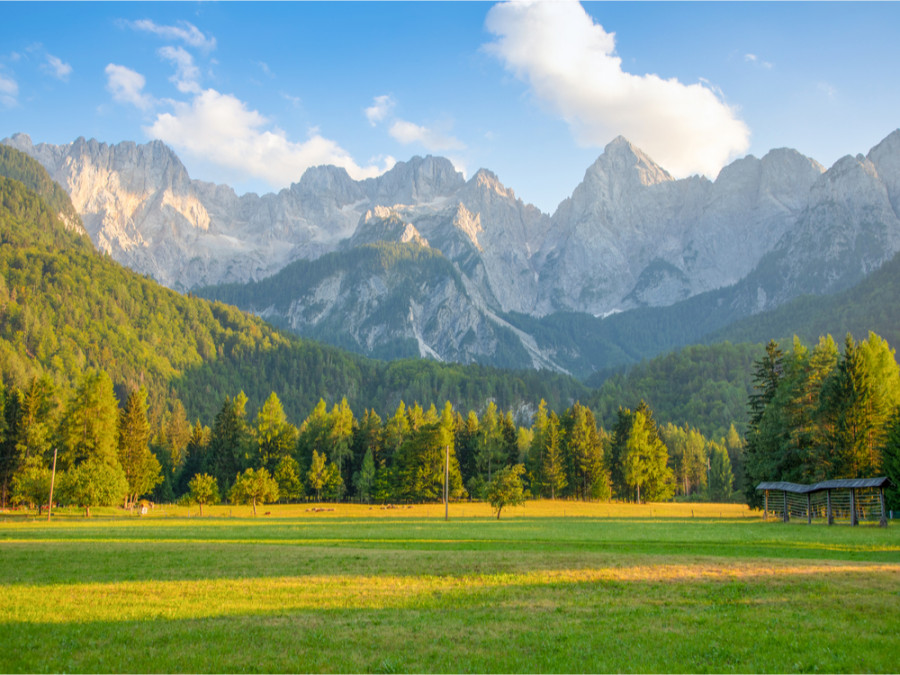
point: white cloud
(221, 128)
(381, 107)
(570, 64)
(754, 59)
(432, 140)
(57, 68)
(184, 31)
(9, 91)
(187, 75)
(127, 86)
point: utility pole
(52, 480)
(447, 482)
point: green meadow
(363, 590)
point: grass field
(554, 587)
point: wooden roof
(845, 483)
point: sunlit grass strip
(144, 600)
(458, 510)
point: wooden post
(883, 521)
(808, 509)
(766, 507)
(786, 517)
(447, 483)
(853, 520)
(53, 479)
(828, 506)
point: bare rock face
(629, 236)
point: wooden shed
(851, 500)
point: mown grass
(377, 591)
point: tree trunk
(639, 493)
(498, 513)
(201, 509)
(87, 511)
(254, 507)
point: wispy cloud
(127, 86)
(57, 68)
(403, 131)
(9, 91)
(187, 75)
(432, 140)
(570, 64)
(754, 59)
(381, 107)
(184, 31)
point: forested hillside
(706, 386)
(871, 305)
(65, 308)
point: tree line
(112, 451)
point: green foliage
(704, 386)
(90, 424)
(821, 416)
(203, 489)
(31, 484)
(554, 472)
(142, 469)
(20, 167)
(365, 478)
(91, 483)
(642, 458)
(506, 489)
(252, 487)
(275, 437)
(287, 476)
(721, 479)
(230, 442)
(891, 461)
(870, 305)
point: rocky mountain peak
(421, 179)
(318, 181)
(624, 161)
(885, 157)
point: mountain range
(422, 262)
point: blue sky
(251, 94)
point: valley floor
(551, 587)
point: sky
(252, 94)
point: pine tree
(554, 468)
(890, 461)
(230, 442)
(276, 438)
(721, 479)
(142, 468)
(90, 424)
(534, 464)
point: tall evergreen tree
(721, 479)
(554, 466)
(276, 438)
(142, 468)
(90, 424)
(230, 442)
(890, 461)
